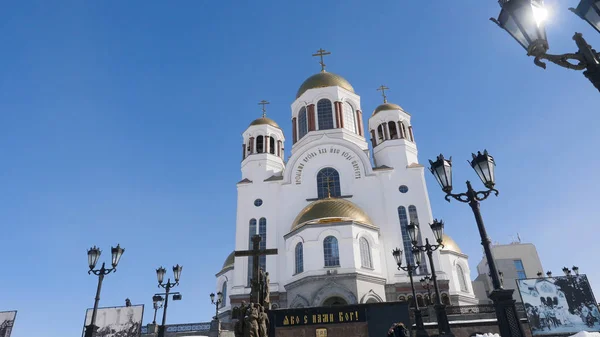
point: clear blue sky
(121, 122)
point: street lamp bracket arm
(562, 60)
(102, 271)
(472, 195)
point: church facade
(336, 208)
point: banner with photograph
(559, 305)
(7, 320)
(117, 321)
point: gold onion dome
(450, 244)
(264, 121)
(325, 211)
(387, 106)
(229, 261)
(323, 80)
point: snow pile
(586, 334)
(497, 335)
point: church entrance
(337, 319)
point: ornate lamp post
(93, 256)
(589, 10)
(426, 283)
(410, 268)
(157, 303)
(438, 231)
(217, 303)
(524, 21)
(160, 274)
(567, 271)
(483, 164)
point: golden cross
(264, 110)
(327, 180)
(383, 88)
(321, 52)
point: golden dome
(331, 210)
(264, 121)
(450, 244)
(229, 261)
(322, 80)
(387, 106)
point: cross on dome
(264, 109)
(383, 88)
(322, 52)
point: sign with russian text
(323, 315)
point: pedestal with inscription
(361, 320)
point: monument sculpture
(252, 318)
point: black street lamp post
(524, 21)
(483, 164)
(157, 303)
(217, 303)
(93, 256)
(160, 274)
(426, 283)
(438, 231)
(410, 268)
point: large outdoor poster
(7, 320)
(559, 305)
(117, 321)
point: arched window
(331, 252)
(325, 114)
(260, 144)
(299, 258)
(405, 237)
(401, 298)
(302, 123)
(461, 278)
(349, 115)
(251, 233)
(262, 231)
(380, 136)
(414, 218)
(271, 145)
(393, 130)
(328, 183)
(365, 253)
(445, 299)
(224, 292)
(402, 130)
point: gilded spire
(321, 52)
(264, 109)
(383, 88)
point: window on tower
(393, 130)
(365, 254)
(251, 233)
(224, 292)
(302, 123)
(328, 183)
(402, 130)
(299, 258)
(461, 278)
(260, 144)
(325, 114)
(271, 145)
(380, 134)
(349, 117)
(331, 252)
(402, 215)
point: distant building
(516, 261)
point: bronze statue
(239, 314)
(263, 322)
(251, 321)
(266, 292)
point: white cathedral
(335, 209)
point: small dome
(331, 210)
(323, 80)
(387, 106)
(229, 261)
(450, 244)
(264, 121)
